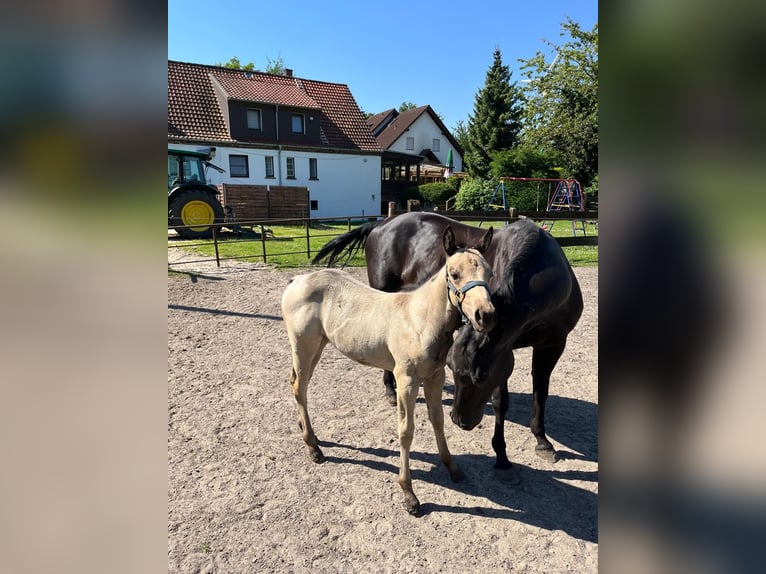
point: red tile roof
(194, 112)
(273, 90)
(376, 119)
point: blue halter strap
(460, 293)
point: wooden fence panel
(256, 202)
(289, 201)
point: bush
(437, 192)
(475, 193)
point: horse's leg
(406, 396)
(432, 389)
(543, 361)
(390, 387)
(500, 408)
(306, 354)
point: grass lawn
(286, 245)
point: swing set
(566, 196)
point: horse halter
(460, 293)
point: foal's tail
(350, 242)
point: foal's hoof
(316, 455)
(547, 453)
(507, 476)
(391, 397)
(413, 508)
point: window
(313, 168)
(411, 144)
(173, 169)
(238, 166)
(314, 205)
(193, 169)
(290, 168)
(269, 166)
(435, 145)
(297, 123)
(254, 119)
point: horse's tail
(350, 242)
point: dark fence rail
(313, 228)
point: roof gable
(403, 120)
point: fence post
(391, 208)
(215, 244)
(308, 237)
(263, 242)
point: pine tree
(496, 120)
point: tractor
(193, 204)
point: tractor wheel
(197, 208)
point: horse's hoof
(507, 475)
(457, 475)
(547, 454)
(391, 398)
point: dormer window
(254, 119)
(298, 123)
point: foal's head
(468, 275)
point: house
(278, 130)
(416, 147)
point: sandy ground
(243, 495)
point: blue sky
(435, 53)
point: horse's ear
(485, 241)
(449, 241)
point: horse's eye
(455, 275)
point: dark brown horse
(534, 290)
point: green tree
(524, 162)
(460, 133)
(235, 64)
(275, 66)
(496, 120)
(561, 102)
(404, 106)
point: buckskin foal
(408, 333)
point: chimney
(288, 72)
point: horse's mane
(518, 251)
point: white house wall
(346, 185)
(424, 130)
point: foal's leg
(406, 396)
(432, 389)
(306, 355)
(543, 361)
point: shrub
(437, 192)
(475, 193)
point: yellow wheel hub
(197, 213)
